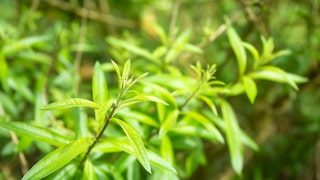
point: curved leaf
(36, 133)
(57, 159)
(69, 103)
(205, 122)
(238, 48)
(137, 143)
(250, 88)
(233, 137)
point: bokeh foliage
(49, 48)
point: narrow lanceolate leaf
(137, 143)
(36, 133)
(88, 173)
(69, 103)
(250, 88)
(121, 144)
(278, 75)
(57, 159)
(168, 122)
(205, 122)
(99, 85)
(99, 91)
(233, 137)
(238, 48)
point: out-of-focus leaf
(65, 173)
(4, 72)
(69, 103)
(99, 85)
(238, 48)
(168, 122)
(250, 88)
(209, 103)
(130, 47)
(252, 50)
(57, 159)
(233, 138)
(88, 173)
(23, 44)
(137, 144)
(166, 149)
(139, 116)
(205, 122)
(121, 144)
(278, 75)
(36, 133)
(117, 69)
(99, 91)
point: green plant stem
(190, 97)
(108, 119)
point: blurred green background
(284, 122)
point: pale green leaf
(233, 137)
(250, 88)
(159, 162)
(139, 116)
(99, 85)
(36, 133)
(23, 44)
(168, 122)
(205, 122)
(238, 48)
(88, 173)
(69, 103)
(252, 50)
(117, 69)
(166, 149)
(209, 103)
(137, 143)
(277, 75)
(57, 159)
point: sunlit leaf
(166, 149)
(205, 122)
(69, 103)
(252, 50)
(88, 173)
(36, 133)
(277, 75)
(238, 48)
(99, 91)
(57, 159)
(250, 88)
(233, 138)
(122, 144)
(168, 122)
(136, 142)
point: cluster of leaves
(159, 118)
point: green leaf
(168, 122)
(69, 103)
(233, 138)
(88, 173)
(36, 133)
(130, 47)
(137, 143)
(23, 44)
(121, 144)
(250, 88)
(238, 48)
(166, 149)
(99, 91)
(252, 50)
(4, 72)
(277, 75)
(139, 116)
(205, 122)
(57, 159)
(99, 85)
(117, 69)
